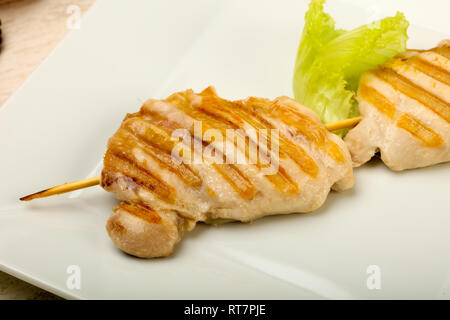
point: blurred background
(30, 31)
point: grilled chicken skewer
(90, 182)
(162, 199)
(405, 109)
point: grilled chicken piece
(405, 108)
(163, 198)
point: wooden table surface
(30, 30)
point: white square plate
(55, 129)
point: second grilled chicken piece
(405, 109)
(163, 198)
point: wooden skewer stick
(64, 188)
(86, 183)
(349, 123)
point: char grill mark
(379, 101)
(157, 144)
(231, 173)
(430, 69)
(235, 113)
(156, 135)
(405, 121)
(120, 160)
(287, 149)
(235, 177)
(218, 116)
(309, 129)
(413, 91)
(418, 129)
(141, 211)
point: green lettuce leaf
(330, 61)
